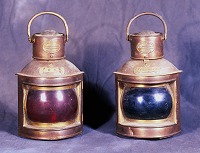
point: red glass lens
(51, 106)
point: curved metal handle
(51, 13)
(147, 13)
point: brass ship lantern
(147, 88)
(49, 89)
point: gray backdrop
(97, 46)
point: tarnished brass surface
(50, 134)
(147, 44)
(141, 132)
(49, 71)
(39, 81)
(147, 68)
(148, 47)
(48, 46)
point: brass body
(49, 71)
(148, 68)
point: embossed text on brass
(146, 69)
(145, 47)
(58, 70)
(51, 46)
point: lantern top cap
(164, 35)
(146, 44)
(49, 44)
(49, 13)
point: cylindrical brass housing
(48, 45)
(146, 45)
(147, 88)
(49, 89)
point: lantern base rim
(148, 132)
(50, 134)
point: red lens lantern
(49, 89)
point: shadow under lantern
(147, 88)
(49, 89)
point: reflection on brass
(49, 88)
(148, 69)
(49, 72)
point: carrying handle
(51, 13)
(147, 13)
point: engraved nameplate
(55, 70)
(146, 69)
(51, 46)
(145, 47)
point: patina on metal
(143, 82)
(49, 89)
